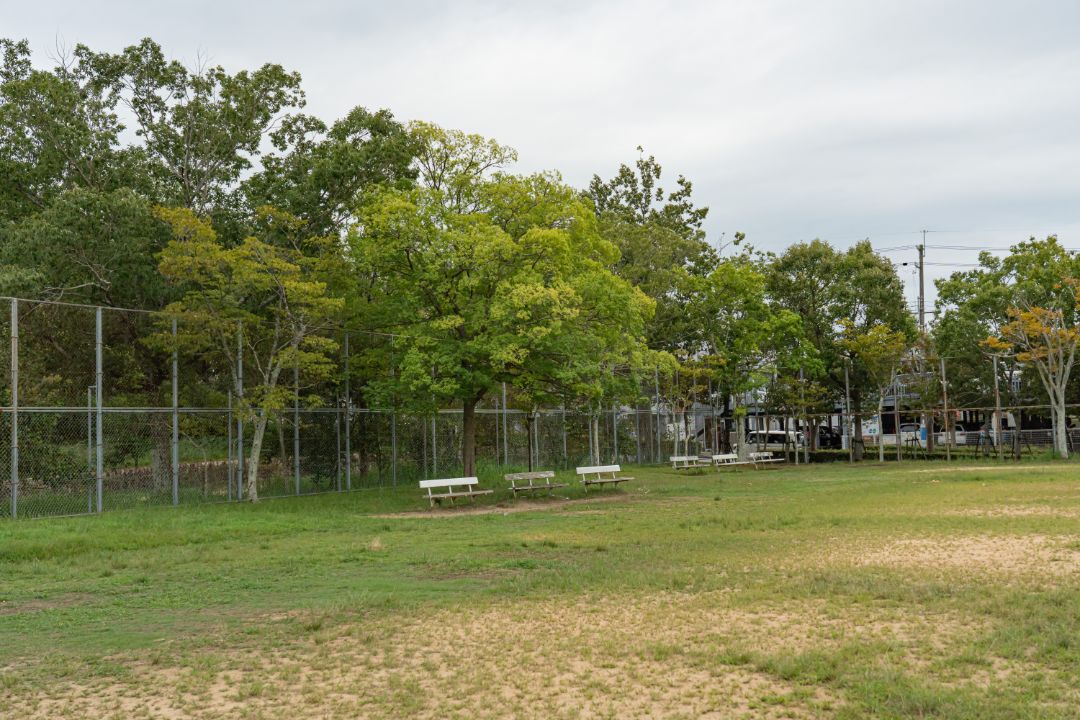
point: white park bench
(728, 460)
(759, 458)
(601, 475)
(468, 483)
(686, 462)
(529, 481)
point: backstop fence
(95, 415)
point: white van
(776, 440)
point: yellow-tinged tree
(1045, 339)
(880, 349)
(262, 302)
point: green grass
(904, 591)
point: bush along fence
(93, 420)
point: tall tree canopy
(660, 239)
(827, 287)
(1000, 299)
(489, 277)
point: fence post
(100, 438)
(175, 420)
(434, 447)
(393, 446)
(948, 437)
(348, 418)
(615, 432)
(229, 442)
(240, 417)
(14, 408)
(849, 423)
(565, 455)
(337, 448)
(296, 426)
(506, 444)
(656, 380)
(89, 445)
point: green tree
(200, 129)
(880, 351)
(488, 278)
(823, 286)
(272, 297)
(1046, 339)
(974, 304)
(319, 172)
(58, 130)
(743, 336)
(660, 240)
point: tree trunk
(856, 439)
(1061, 429)
(253, 457)
(740, 434)
(468, 438)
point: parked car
(958, 431)
(909, 433)
(773, 439)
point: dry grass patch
(663, 655)
(1035, 555)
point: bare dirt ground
(517, 506)
(657, 656)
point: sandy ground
(658, 656)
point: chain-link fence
(97, 413)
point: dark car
(829, 439)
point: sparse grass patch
(821, 591)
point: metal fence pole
(615, 432)
(945, 411)
(393, 447)
(565, 455)
(14, 408)
(89, 446)
(434, 447)
(240, 417)
(229, 470)
(497, 408)
(175, 419)
(656, 381)
(100, 438)
(348, 419)
(337, 448)
(506, 444)
(296, 426)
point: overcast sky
(794, 120)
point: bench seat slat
(448, 482)
(464, 493)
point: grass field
(906, 591)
